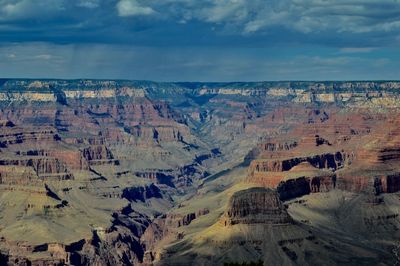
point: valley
(116, 172)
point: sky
(201, 40)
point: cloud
(224, 11)
(88, 3)
(43, 56)
(306, 16)
(26, 9)
(333, 36)
(370, 21)
(128, 8)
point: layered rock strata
(255, 205)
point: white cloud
(241, 16)
(132, 8)
(225, 10)
(23, 9)
(307, 16)
(88, 3)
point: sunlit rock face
(99, 172)
(256, 205)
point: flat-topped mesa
(255, 206)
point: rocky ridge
(155, 168)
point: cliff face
(178, 220)
(87, 151)
(45, 168)
(333, 150)
(362, 94)
(141, 193)
(255, 205)
(321, 161)
(293, 188)
(146, 164)
(118, 244)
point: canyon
(116, 172)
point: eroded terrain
(142, 173)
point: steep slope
(136, 172)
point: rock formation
(256, 205)
(139, 172)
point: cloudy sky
(201, 40)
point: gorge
(118, 172)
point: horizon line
(216, 82)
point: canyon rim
(186, 132)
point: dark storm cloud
(213, 39)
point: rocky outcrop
(141, 193)
(392, 183)
(277, 146)
(49, 167)
(19, 175)
(12, 135)
(255, 205)
(293, 188)
(156, 231)
(112, 247)
(99, 155)
(322, 183)
(22, 253)
(175, 220)
(356, 93)
(72, 159)
(321, 161)
(97, 143)
(379, 184)
(159, 134)
(159, 177)
(118, 244)
(45, 168)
